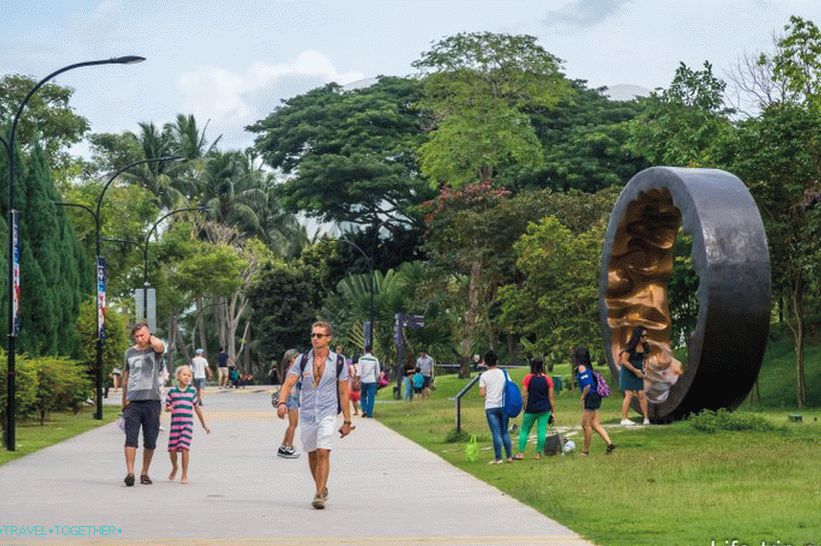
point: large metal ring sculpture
(731, 259)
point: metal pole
(201, 208)
(12, 334)
(99, 356)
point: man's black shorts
(145, 413)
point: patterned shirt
(317, 402)
(144, 369)
(181, 403)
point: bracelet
(346, 422)
(282, 404)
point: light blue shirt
(316, 403)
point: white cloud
(233, 100)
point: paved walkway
(384, 489)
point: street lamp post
(13, 327)
(98, 373)
(372, 280)
(144, 247)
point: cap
(199, 351)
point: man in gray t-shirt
(142, 369)
(425, 365)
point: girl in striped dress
(181, 401)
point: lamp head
(128, 59)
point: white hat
(199, 351)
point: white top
(368, 368)
(493, 381)
(198, 365)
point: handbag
(472, 450)
(553, 443)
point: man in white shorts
(201, 372)
(324, 391)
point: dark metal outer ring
(731, 258)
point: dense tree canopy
(349, 155)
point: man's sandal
(129, 480)
(145, 480)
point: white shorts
(318, 435)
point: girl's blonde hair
(178, 369)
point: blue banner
(101, 303)
(16, 292)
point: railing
(458, 399)
(464, 391)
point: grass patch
(30, 436)
(668, 484)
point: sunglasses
(313, 335)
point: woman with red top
(538, 399)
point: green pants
(541, 420)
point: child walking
(181, 401)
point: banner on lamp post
(16, 292)
(368, 331)
(101, 302)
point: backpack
(602, 388)
(512, 397)
(340, 361)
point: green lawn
(663, 485)
(30, 436)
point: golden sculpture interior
(638, 273)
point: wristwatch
(346, 422)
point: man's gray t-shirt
(144, 370)
(318, 402)
(425, 364)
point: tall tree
(48, 119)
(55, 270)
(349, 156)
(685, 124)
(479, 88)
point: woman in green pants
(538, 399)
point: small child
(181, 401)
(418, 381)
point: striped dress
(182, 404)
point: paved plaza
(384, 489)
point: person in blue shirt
(590, 400)
(418, 381)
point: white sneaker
(626, 422)
(646, 421)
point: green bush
(454, 437)
(711, 421)
(25, 388)
(61, 385)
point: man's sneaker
(318, 502)
(626, 422)
(646, 421)
(287, 452)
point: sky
(232, 63)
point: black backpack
(340, 362)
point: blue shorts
(199, 383)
